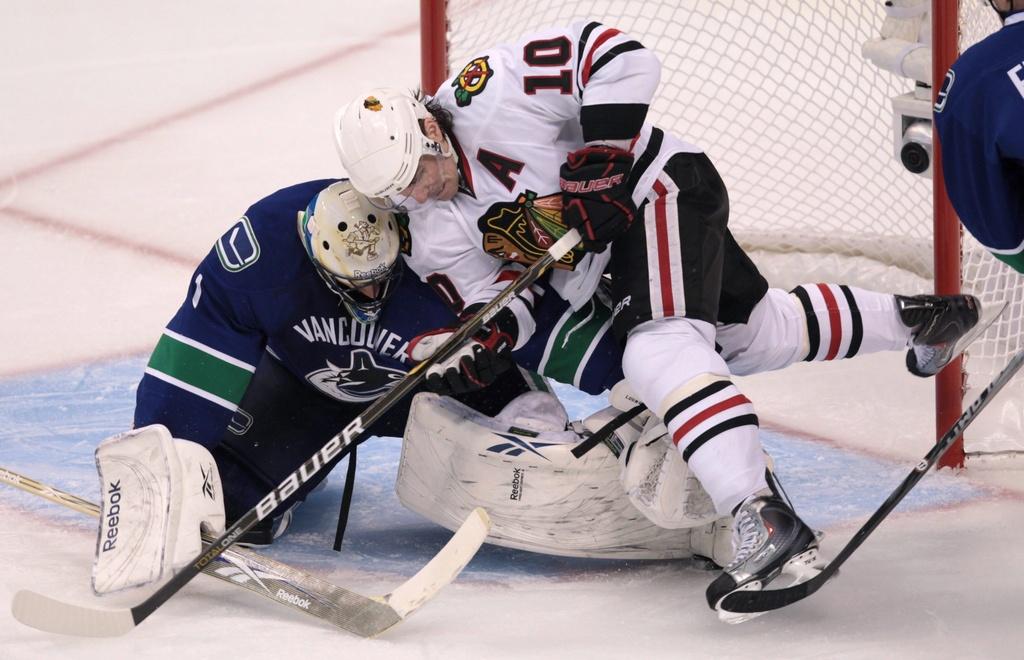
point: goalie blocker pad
(519, 467)
(158, 492)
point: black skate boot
(770, 540)
(937, 323)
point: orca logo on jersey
(523, 230)
(471, 81)
(361, 380)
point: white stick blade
(49, 615)
(444, 567)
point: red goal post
(803, 129)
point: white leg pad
(539, 496)
(660, 484)
(157, 492)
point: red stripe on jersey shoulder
(589, 61)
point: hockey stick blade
(773, 599)
(444, 567)
(75, 618)
(50, 615)
(366, 616)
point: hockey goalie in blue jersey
(979, 115)
(307, 315)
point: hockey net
(800, 126)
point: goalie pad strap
(604, 434)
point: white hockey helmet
(354, 246)
(380, 141)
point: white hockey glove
(158, 492)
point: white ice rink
(133, 134)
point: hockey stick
(366, 616)
(763, 601)
(55, 616)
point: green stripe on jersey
(1014, 261)
(573, 341)
(199, 369)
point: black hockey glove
(477, 363)
(596, 198)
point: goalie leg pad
(660, 484)
(539, 496)
(157, 493)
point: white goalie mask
(354, 246)
(380, 140)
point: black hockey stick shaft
(340, 442)
(763, 601)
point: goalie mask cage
(800, 126)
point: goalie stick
(56, 616)
(366, 616)
(764, 601)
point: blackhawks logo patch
(471, 81)
(523, 230)
(372, 103)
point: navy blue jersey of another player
(258, 291)
(979, 116)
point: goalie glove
(477, 363)
(596, 199)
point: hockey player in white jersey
(551, 131)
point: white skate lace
(746, 537)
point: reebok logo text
(113, 515)
(297, 601)
(517, 484)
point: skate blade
(989, 313)
(799, 568)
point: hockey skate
(942, 328)
(770, 541)
(265, 532)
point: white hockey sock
(673, 367)
(844, 321)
